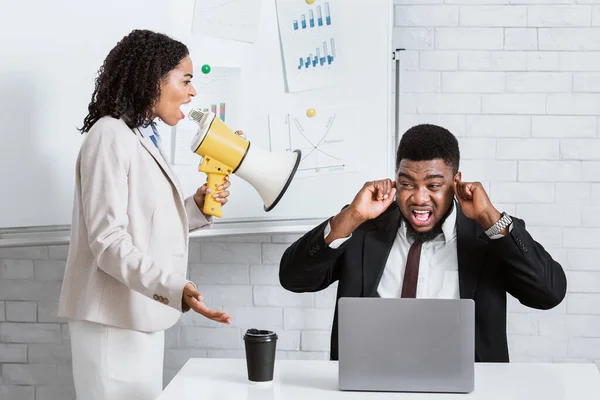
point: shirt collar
(148, 130)
(448, 227)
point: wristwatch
(499, 226)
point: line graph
(316, 155)
(325, 149)
(227, 19)
(218, 4)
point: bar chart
(213, 109)
(323, 56)
(217, 92)
(313, 22)
(312, 48)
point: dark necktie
(411, 273)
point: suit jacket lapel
(173, 175)
(471, 247)
(376, 248)
(160, 159)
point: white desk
(205, 378)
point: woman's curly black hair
(128, 83)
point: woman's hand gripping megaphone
(220, 194)
(240, 133)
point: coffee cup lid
(257, 335)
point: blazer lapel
(376, 248)
(173, 175)
(471, 247)
(161, 160)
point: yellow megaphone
(225, 153)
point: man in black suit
(427, 244)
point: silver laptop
(406, 345)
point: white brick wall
(35, 359)
(523, 79)
(518, 81)
(238, 274)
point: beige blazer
(128, 255)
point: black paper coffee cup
(260, 354)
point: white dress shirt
(150, 133)
(438, 266)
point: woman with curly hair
(125, 279)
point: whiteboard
(51, 52)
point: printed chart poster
(323, 139)
(227, 19)
(309, 43)
(218, 92)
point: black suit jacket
(487, 268)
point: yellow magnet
(310, 1)
(311, 112)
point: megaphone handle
(211, 205)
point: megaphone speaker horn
(225, 153)
(269, 173)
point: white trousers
(111, 363)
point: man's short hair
(428, 142)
